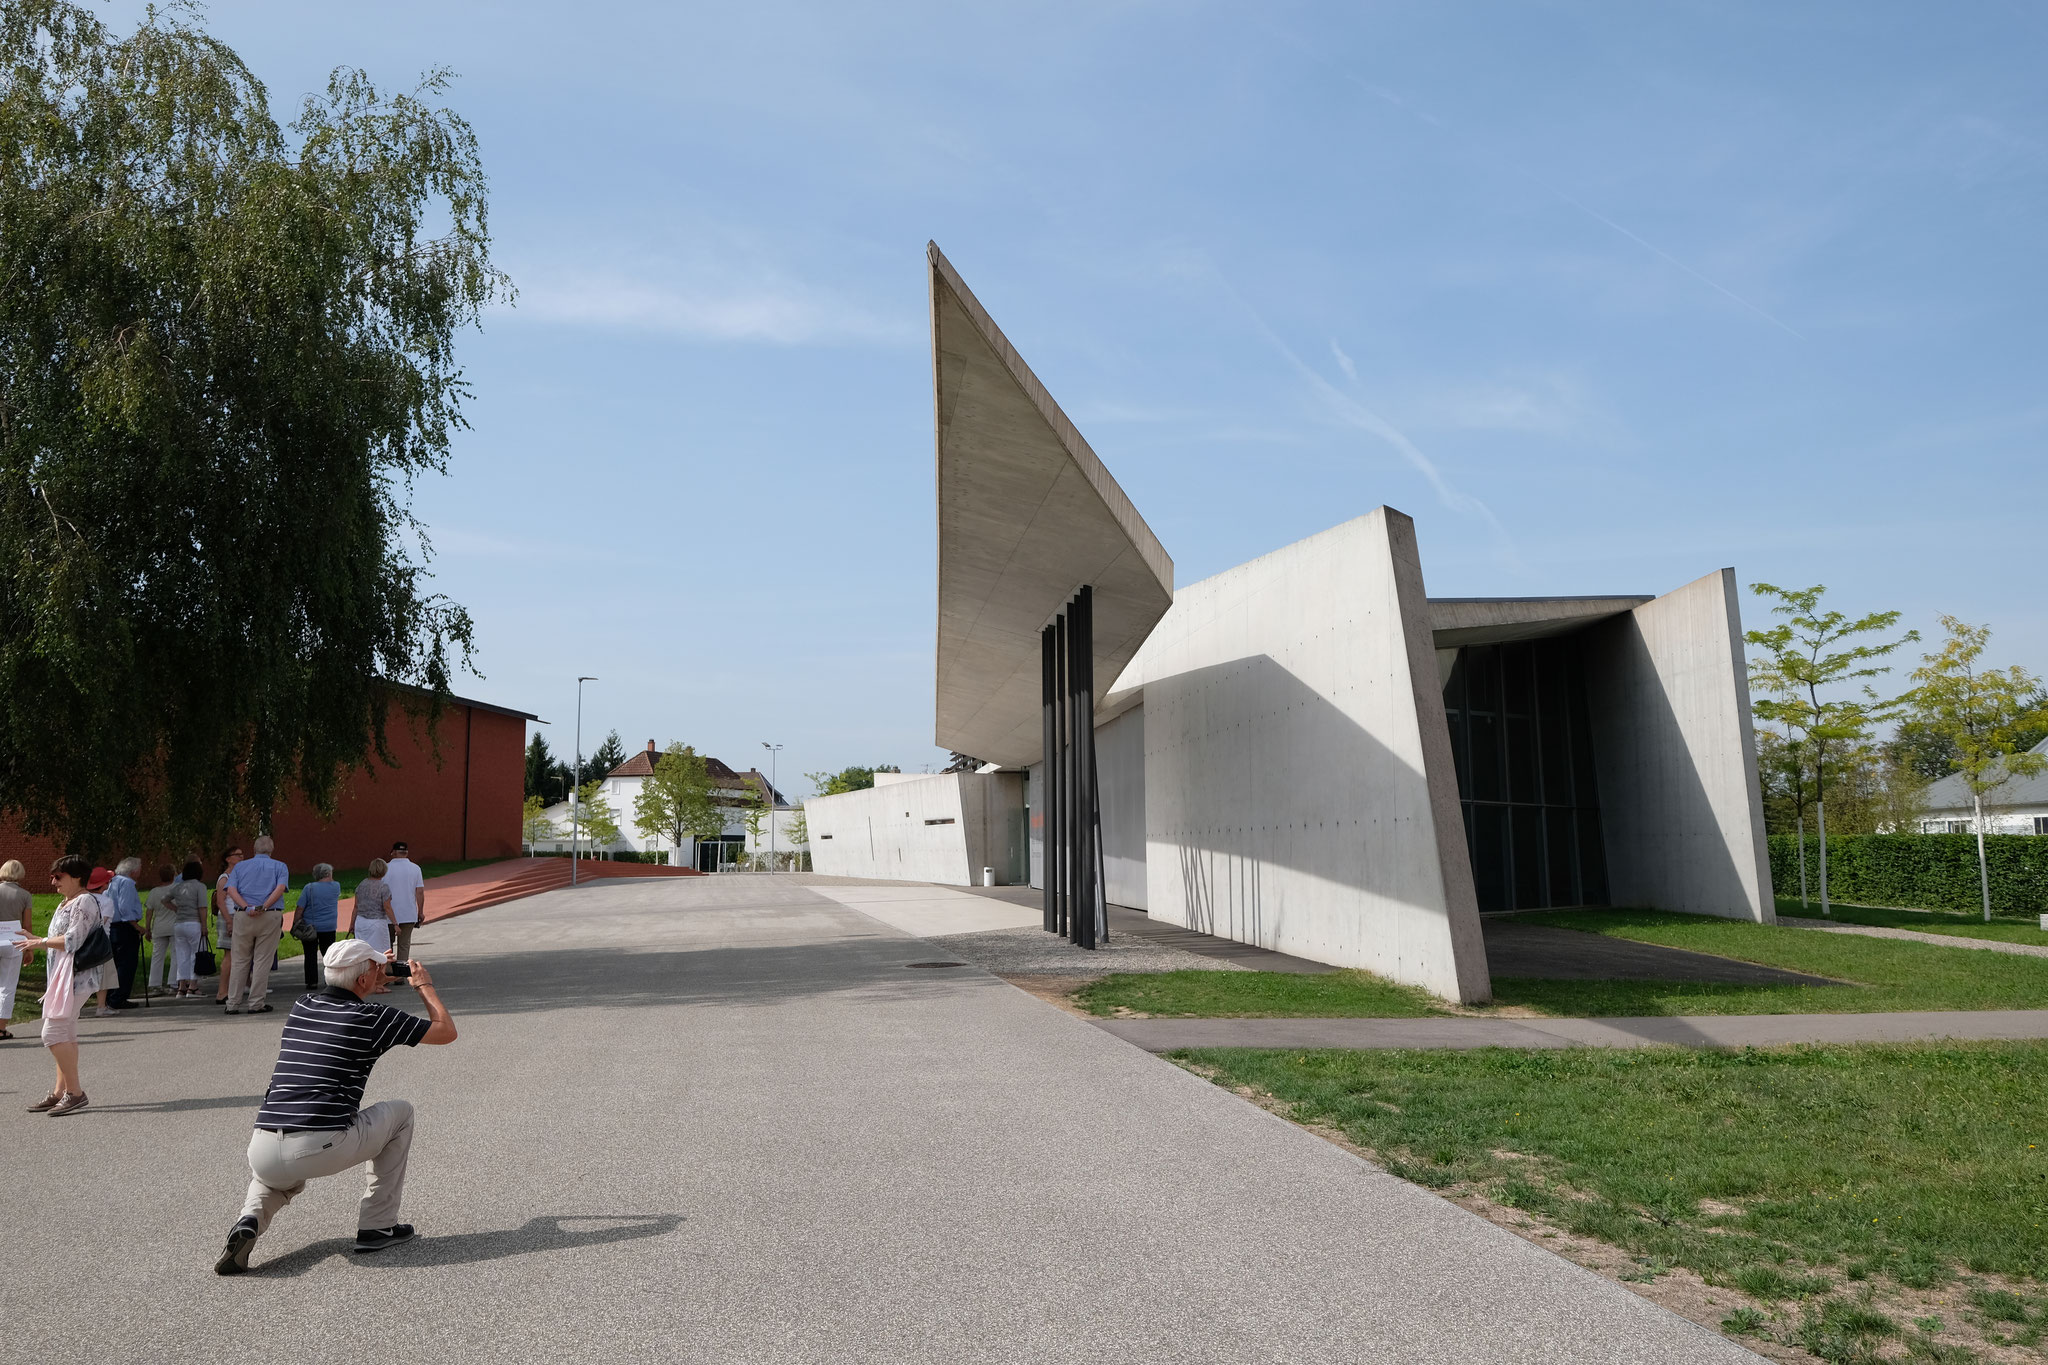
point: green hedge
(1920, 871)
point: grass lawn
(1887, 975)
(1265, 995)
(288, 948)
(2006, 930)
(1788, 1174)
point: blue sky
(1605, 296)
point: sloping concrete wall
(1120, 787)
(1299, 792)
(1675, 755)
(887, 831)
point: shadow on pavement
(567, 978)
(547, 1232)
(184, 1106)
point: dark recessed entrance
(1524, 751)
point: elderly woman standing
(319, 908)
(15, 903)
(373, 908)
(68, 986)
(188, 902)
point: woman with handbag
(15, 905)
(81, 962)
(188, 903)
(313, 923)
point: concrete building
(2017, 806)
(1306, 752)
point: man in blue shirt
(126, 930)
(255, 892)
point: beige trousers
(255, 940)
(280, 1164)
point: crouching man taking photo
(311, 1123)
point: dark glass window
(1524, 758)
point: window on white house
(2041, 824)
(1958, 826)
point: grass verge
(2007, 930)
(1870, 1202)
(1262, 995)
(1887, 974)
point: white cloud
(1543, 404)
(703, 302)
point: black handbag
(97, 948)
(204, 963)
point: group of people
(94, 939)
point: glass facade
(1524, 754)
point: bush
(1919, 871)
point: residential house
(2016, 807)
(735, 792)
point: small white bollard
(988, 878)
(2044, 923)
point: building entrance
(1523, 745)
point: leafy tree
(212, 328)
(597, 821)
(672, 801)
(754, 814)
(535, 827)
(1933, 753)
(609, 755)
(1985, 713)
(1802, 660)
(798, 830)
(854, 779)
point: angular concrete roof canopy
(1027, 514)
(1457, 621)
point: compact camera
(400, 970)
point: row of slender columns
(1072, 816)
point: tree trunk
(1820, 810)
(1983, 872)
(1802, 864)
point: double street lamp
(773, 750)
(576, 789)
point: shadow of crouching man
(548, 1232)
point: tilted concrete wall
(942, 827)
(1299, 790)
(1675, 755)
(882, 832)
(1120, 789)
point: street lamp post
(576, 786)
(773, 750)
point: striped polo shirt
(331, 1040)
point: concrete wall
(1120, 788)
(1299, 792)
(1675, 755)
(943, 828)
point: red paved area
(474, 888)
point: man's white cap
(349, 952)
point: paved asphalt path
(721, 1121)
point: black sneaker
(376, 1239)
(234, 1260)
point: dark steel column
(1088, 891)
(1048, 804)
(1063, 725)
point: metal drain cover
(935, 964)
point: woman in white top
(68, 988)
(15, 903)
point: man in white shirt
(408, 896)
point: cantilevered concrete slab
(1460, 621)
(1027, 514)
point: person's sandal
(71, 1105)
(50, 1101)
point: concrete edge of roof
(470, 702)
(1119, 503)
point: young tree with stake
(1804, 657)
(1987, 715)
(679, 787)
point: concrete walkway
(1989, 945)
(1707, 1030)
(716, 1120)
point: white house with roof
(734, 790)
(2019, 806)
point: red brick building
(456, 796)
